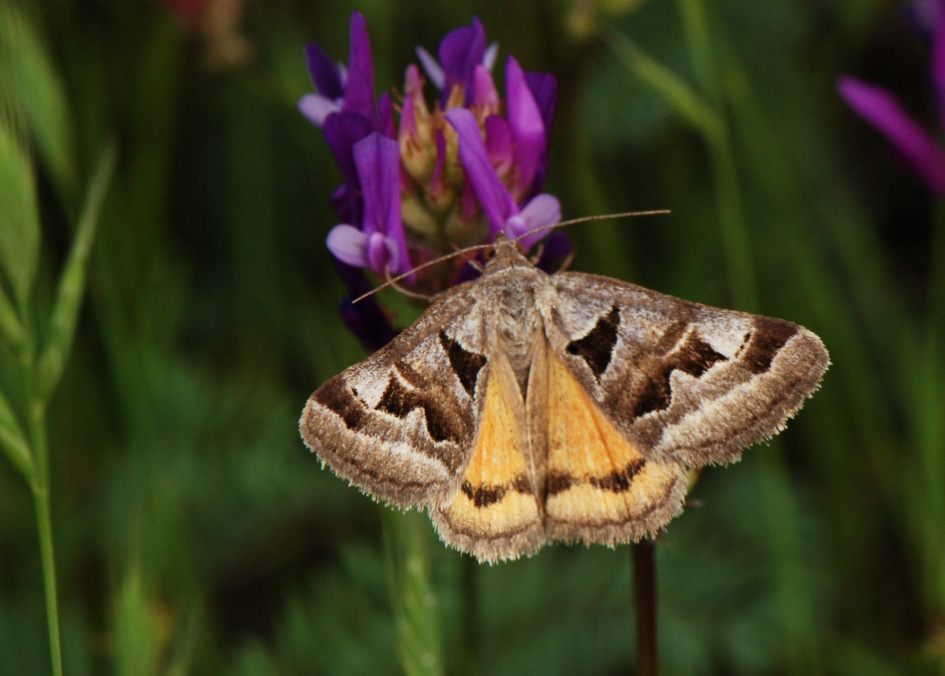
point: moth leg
(566, 263)
(407, 292)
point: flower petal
(485, 94)
(434, 72)
(543, 210)
(381, 253)
(544, 88)
(489, 58)
(365, 319)
(525, 123)
(408, 120)
(878, 107)
(368, 322)
(499, 143)
(348, 245)
(460, 52)
(385, 112)
(378, 161)
(494, 197)
(324, 72)
(376, 158)
(413, 81)
(359, 88)
(317, 107)
(554, 249)
(342, 130)
(346, 202)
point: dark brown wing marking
(695, 357)
(618, 481)
(485, 495)
(465, 364)
(336, 397)
(557, 482)
(768, 337)
(596, 348)
(400, 401)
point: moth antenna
(478, 247)
(396, 279)
(585, 219)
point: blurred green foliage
(194, 534)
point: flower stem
(40, 488)
(644, 593)
(44, 527)
(471, 616)
(412, 595)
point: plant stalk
(40, 488)
(644, 594)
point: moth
(523, 408)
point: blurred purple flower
(339, 89)
(881, 109)
(460, 52)
(498, 204)
(923, 16)
(379, 243)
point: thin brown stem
(644, 593)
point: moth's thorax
(509, 292)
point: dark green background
(194, 532)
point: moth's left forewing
(684, 381)
(400, 424)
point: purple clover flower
(379, 244)
(496, 199)
(881, 109)
(420, 181)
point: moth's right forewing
(400, 424)
(685, 382)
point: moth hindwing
(524, 407)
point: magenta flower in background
(880, 108)
(420, 181)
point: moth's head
(505, 253)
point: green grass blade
(10, 326)
(29, 84)
(19, 215)
(72, 284)
(14, 440)
(672, 89)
